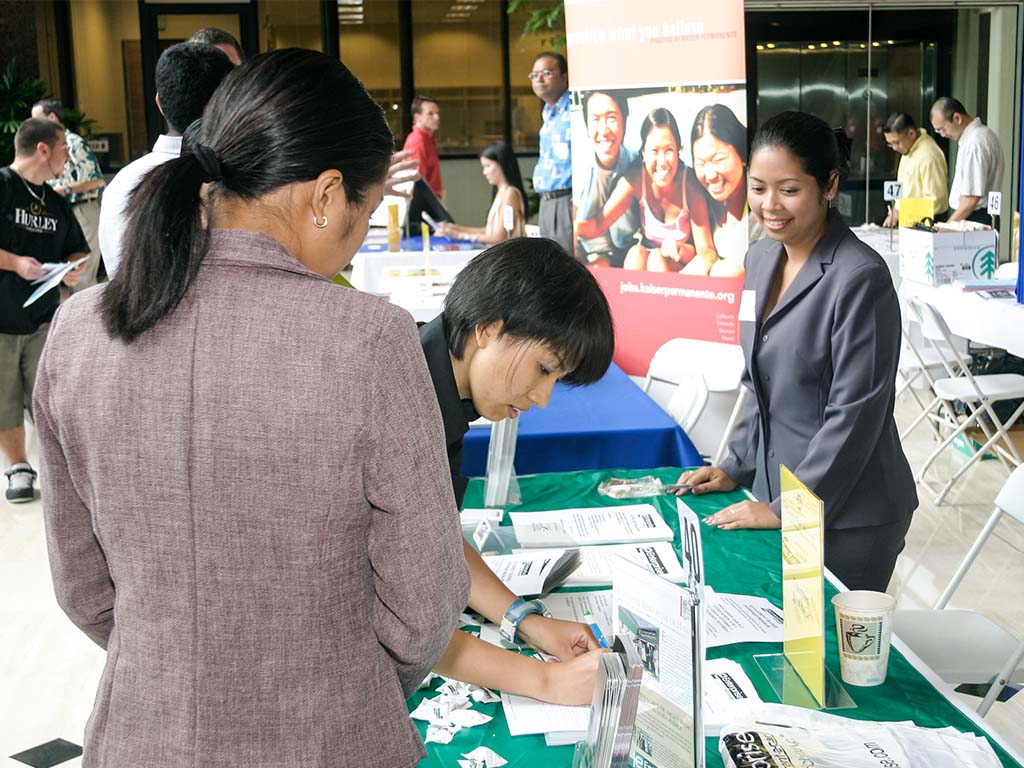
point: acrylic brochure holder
(798, 675)
(665, 623)
(613, 710)
(501, 487)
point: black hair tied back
(845, 147)
(209, 162)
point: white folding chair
(916, 364)
(720, 366)
(919, 363)
(688, 400)
(965, 646)
(977, 393)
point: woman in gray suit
(820, 329)
(245, 485)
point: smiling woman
(821, 345)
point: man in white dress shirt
(979, 160)
(187, 74)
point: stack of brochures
(535, 571)
(613, 712)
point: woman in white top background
(501, 169)
(719, 144)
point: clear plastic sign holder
(501, 487)
(798, 675)
(666, 624)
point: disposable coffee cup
(864, 624)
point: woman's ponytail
(163, 246)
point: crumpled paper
(482, 757)
(450, 711)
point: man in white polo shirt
(187, 74)
(979, 160)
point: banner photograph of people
(659, 179)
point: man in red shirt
(426, 119)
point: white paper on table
(572, 605)
(525, 715)
(524, 573)
(596, 567)
(740, 619)
(728, 694)
(590, 525)
(52, 279)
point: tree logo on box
(984, 263)
(929, 266)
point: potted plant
(17, 95)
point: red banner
(658, 307)
(659, 166)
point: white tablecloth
(417, 281)
(990, 322)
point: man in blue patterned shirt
(552, 177)
(80, 185)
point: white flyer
(729, 694)
(54, 275)
(596, 569)
(740, 619)
(590, 525)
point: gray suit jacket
(821, 371)
(249, 508)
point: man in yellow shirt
(922, 170)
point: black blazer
(821, 370)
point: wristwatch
(516, 612)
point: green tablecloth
(743, 562)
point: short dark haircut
(540, 294)
(33, 131)
(51, 107)
(659, 117)
(214, 36)
(417, 103)
(898, 122)
(819, 149)
(722, 123)
(187, 74)
(617, 97)
(562, 64)
(501, 153)
(280, 118)
(947, 106)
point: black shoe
(21, 480)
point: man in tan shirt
(922, 169)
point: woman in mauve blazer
(245, 484)
(820, 329)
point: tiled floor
(49, 670)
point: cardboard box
(937, 258)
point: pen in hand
(598, 634)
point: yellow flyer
(803, 582)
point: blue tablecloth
(377, 241)
(608, 425)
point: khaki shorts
(19, 358)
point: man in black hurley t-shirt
(37, 227)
